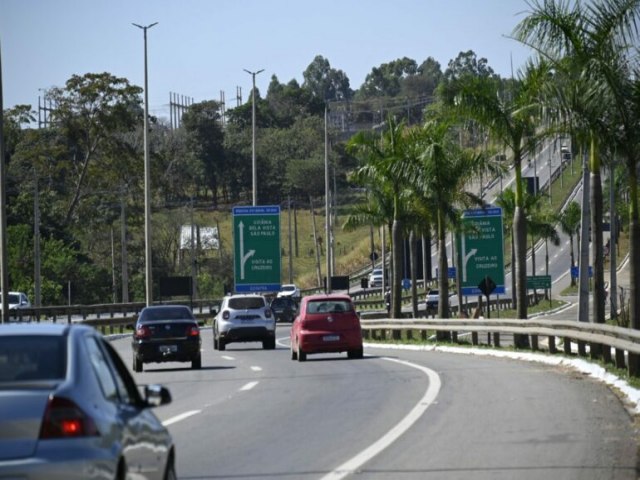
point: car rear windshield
(14, 298)
(169, 313)
(32, 357)
(329, 306)
(246, 303)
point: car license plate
(168, 348)
(331, 338)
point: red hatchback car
(326, 324)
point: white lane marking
(249, 386)
(180, 417)
(256, 369)
(227, 357)
(352, 465)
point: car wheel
(170, 473)
(137, 364)
(221, 344)
(215, 341)
(196, 363)
(301, 355)
(269, 344)
(122, 471)
(357, 353)
(294, 354)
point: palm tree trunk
(396, 281)
(443, 280)
(413, 258)
(634, 260)
(520, 235)
(597, 245)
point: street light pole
(253, 136)
(147, 176)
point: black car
(284, 308)
(166, 333)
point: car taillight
(193, 331)
(143, 331)
(267, 312)
(64, 419)
(225, 315)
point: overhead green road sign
(480, 250)
(256, 246)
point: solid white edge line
(180, 417)
(248, 386)
(353, 464)
(256, 368)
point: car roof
(40, 328)
(163, 307)
(326, 296)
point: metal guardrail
(601, 338)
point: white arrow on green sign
(480, 250)
(256, 245)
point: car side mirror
(156, 395)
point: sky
(200, 48)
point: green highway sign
(480, 250)
(538, 282)
(256, 248)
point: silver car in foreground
(69, 409)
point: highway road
(396, 414)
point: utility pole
(4, 275)
(253, 136)
(147, 176)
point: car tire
(196, 363)
(301, 355)
(269, 344)
(170, 473)
(215, 341)
(137, 364)
(294, 354)
(221, 345)
(357, 353)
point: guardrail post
(582, 348)
(606, 353)
(567, 345)
(454, 337)
(423, 334)
(383, 334)
(552, 344)
(620, 360)
(365, 334)
(474, 338)
(534, 343)
(496, 339)
(634, 364)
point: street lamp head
(144, 28)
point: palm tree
(569, 224)
(383, 163)
(596, 43)
(509, 118)
(507, 201)
(440, 171)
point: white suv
(244, 318)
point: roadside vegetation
(405, 152)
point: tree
(205, 137)
(326, 83)
(441, 170)
(89, 112)
(509, 118)
(384, 162)
(597, 42)
(387, 79)
(570, 224)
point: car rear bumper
(326, 342)
(185, 351)
(247, 334)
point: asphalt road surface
(255, 414)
